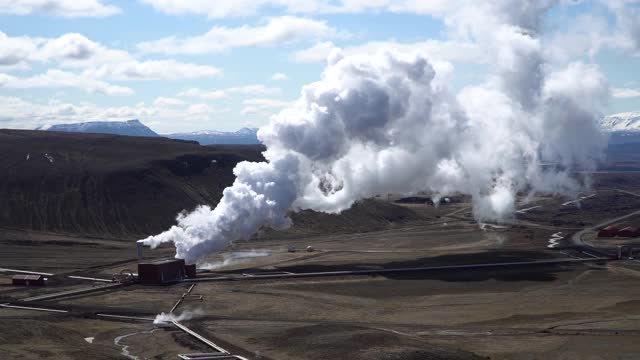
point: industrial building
(164, 271)
(190, 271)
(609, 231)
(28, 280)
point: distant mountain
(242, 136)
(136, 128)
(129, 128)
(624, 128)
(629, 121)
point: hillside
(108, 185)
(130, 187)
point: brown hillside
(108, 185)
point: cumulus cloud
(74, 50)
(64, 8)
(215, 94)
(15, 50)
(249, 7)
(279, 77)
(447, 50)
(315, 53)
(625, 93)
(153, 70)
(71, 46)
(61, 79)
(385, 122)
(276, 31)
(166, 102)
(161, 115)
(261, 106)
(22, 114)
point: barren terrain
(587, 309)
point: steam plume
(164, 318)
(382, 123)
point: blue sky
(76, 60)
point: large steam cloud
(382, 123)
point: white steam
(234, 258)
(386, 122)
(164, 318)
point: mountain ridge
(134, 127)
(627, 121)
(128, 128)
(245, 135)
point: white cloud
(72, 46)
(261, 106)
(198, 109)
(202, 112)
(625, 93)
(276, 31)
(68, 50)
(19, 113)
(54, 78)
(15, 50)
(74, 50)
(316, 53)
(279, 76)
(167, 102)
(218, 9)
(64, 8)
(267, 103)
(204, 94)
(255, 89)
(450, 50)
(22, 114)
(154, 70)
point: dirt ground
(557, 311)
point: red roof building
(28, 280)
(609, 231)
(629, 232)
(161, 271)
(165, 271)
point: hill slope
(108, 185)
(131, 187)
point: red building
(629, 232)
(165, 271)
(28, 280)
(161, 271)
(609, 231)
(190, 271)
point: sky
(188, 65)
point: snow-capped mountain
(629, 121)
(623, 128)
(205, 137)
(129, 128)
(136, 128)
